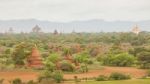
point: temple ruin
(35, 60)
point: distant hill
(78, 26)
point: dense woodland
(123, 49)
(95, 45)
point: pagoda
(35, 60)
(136, 30)
(36, 29)
(55, 32)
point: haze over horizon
(79, 15)
(77, 26)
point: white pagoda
(136, 30)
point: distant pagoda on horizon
(55, 32)
(35, 60)
(36, 29)
(136, 30)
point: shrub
(50, 62)
(118, 76)
(31, 82)
(66, 66)
(82, 57)
(46, 76)
(101, 78)
(90, 61)
(54, 57)
(49, 76)
(84, 68)
(123, 59)
(144, 59)
(17, 81)
(99, 58)
(50, 66)
(58, 76)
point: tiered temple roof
(35, 60)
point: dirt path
(25, 76)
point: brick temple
(35, 60)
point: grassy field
(134, 81)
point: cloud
(69, 10)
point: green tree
(144, 59)
(58, 76)
(17, 81)
(67, 66)
(123, 59)
(20, 53)
(83, 58)
(51, 60)
(136, 50)
(5, 58)
(54, 57)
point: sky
(75, 10)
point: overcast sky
(70, 10)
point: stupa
(136, 30)
(36, 29)
(35, 60)
(55, 32)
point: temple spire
(55, 32)
(136, 30)
(36, 29)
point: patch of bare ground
(26, 76)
